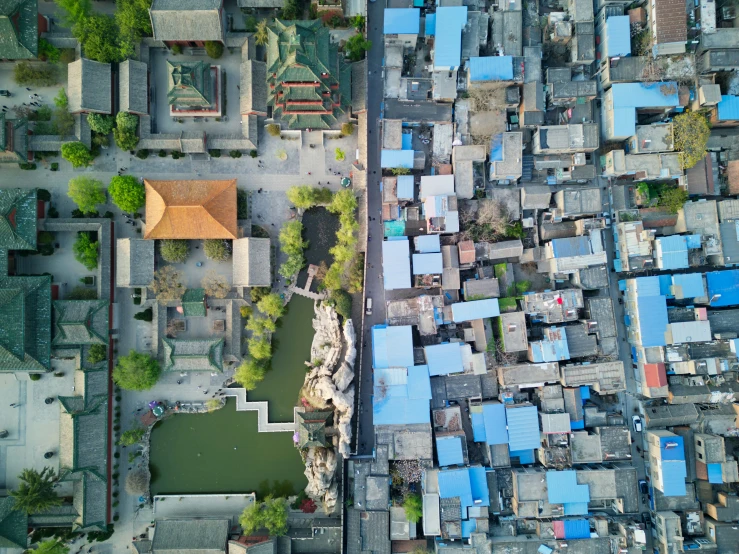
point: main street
(373, 280)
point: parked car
(368, 310)
(637, 423)
(5, 93)
(643, 486)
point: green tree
(347, 129)
(302, 196)
(344, 202)
(126, 121)
(214, 49)
(257, 293)
(77, 154)
(672, 198)
(270, 515)
(342, 302)
(86, 251)
(35, 493)
(99, 36)
(356, 46)
(216, 249)
(260, 325)
(127, 192)
(291, 10)
(144, 315)
(101, 123)
(136, 371)
(47, 51)
(261, 36)
(691, 130)
(74, 11)
(37, 75)
(249, 374)
(291, 238)
(62, 120)
(174, 251)
(51, 546)
(167, 284)
(125, 131)
(131, 437)
(413, 506)
(273, 129)
(87, 193)
(272, 306)
(132, 17)
(97, 353)
(260, 348)
(358, 22)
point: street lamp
(714, 297)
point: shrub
(47, 51)
(27, 166)
(235, 153)
(253, 154)
(142, 154)
(86, 251)
(54, 167)
(214, 49)
(347, 129)
(43, 195)
(339, 155)
(162, 153)
(242, 204)
(273, 129)
(97, 353)
(36, 75)
(174, 251)
(176, 49)
(81, 293)
(214, 153)
(44, 237)
(145, 315)
(34, 376)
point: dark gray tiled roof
(134, 262)
(133, 87)
(196, 20)
(89, 86)
(190, 536)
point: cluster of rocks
(329, 386)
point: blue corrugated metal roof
(392, 346)
(428, 243)
(575, 508)
(406, 141)
(562, 488)
(714, 474)
(476, 309)
(444, 359)
(430, 24)
(665, 284)
(652, 313)
(469, 526)
(618, 35)
(549, 350)
(478, 427)
(496, 148)
(456, 483)
(424, 264)
(396, 158)
(672, 448)
(396, 264)
(723, 287)
(584, 393)
(402, 21)
(624, 122)
(419, 382)
(674, 250)
(479, 486)
(448, 45)
(495, 424)
(673, 478)
(728, 108)
(524, 456)
(579, 424)
(449, 451)
(571, 246)
(578, 528)
(392, 401)
(405, 187)
(692, 284)
(523, 427)
(643, 95)
(647, 286)
(694, 241)
(491, 68)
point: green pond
(291, 347)
(222, 452)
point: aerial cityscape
(369, 276)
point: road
(373, 280)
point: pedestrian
(28, 89)
(30, 96)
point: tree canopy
(305, 196)
(174, 251)
(101, 123)
(127, 192)
(77, 154)
(413, 506)
(35, 493)
(86, 192)
(131, 437)
(672, 198)
(216, 249)
(132, 17)
(691, 131)
(215, 285)
(272, 306)
(214, 49)
(249, 374)
(125, 131)
(261, 36)
(137, 482)
(356, 46)
(260, 348)
(167, 284)
(98, 34)
(35, 75)
(292, 244)
(97, 353)
(270, 515)
(51, 546)
(136, 371)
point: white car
(637, 423)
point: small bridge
(263, 424)
(305, 291)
